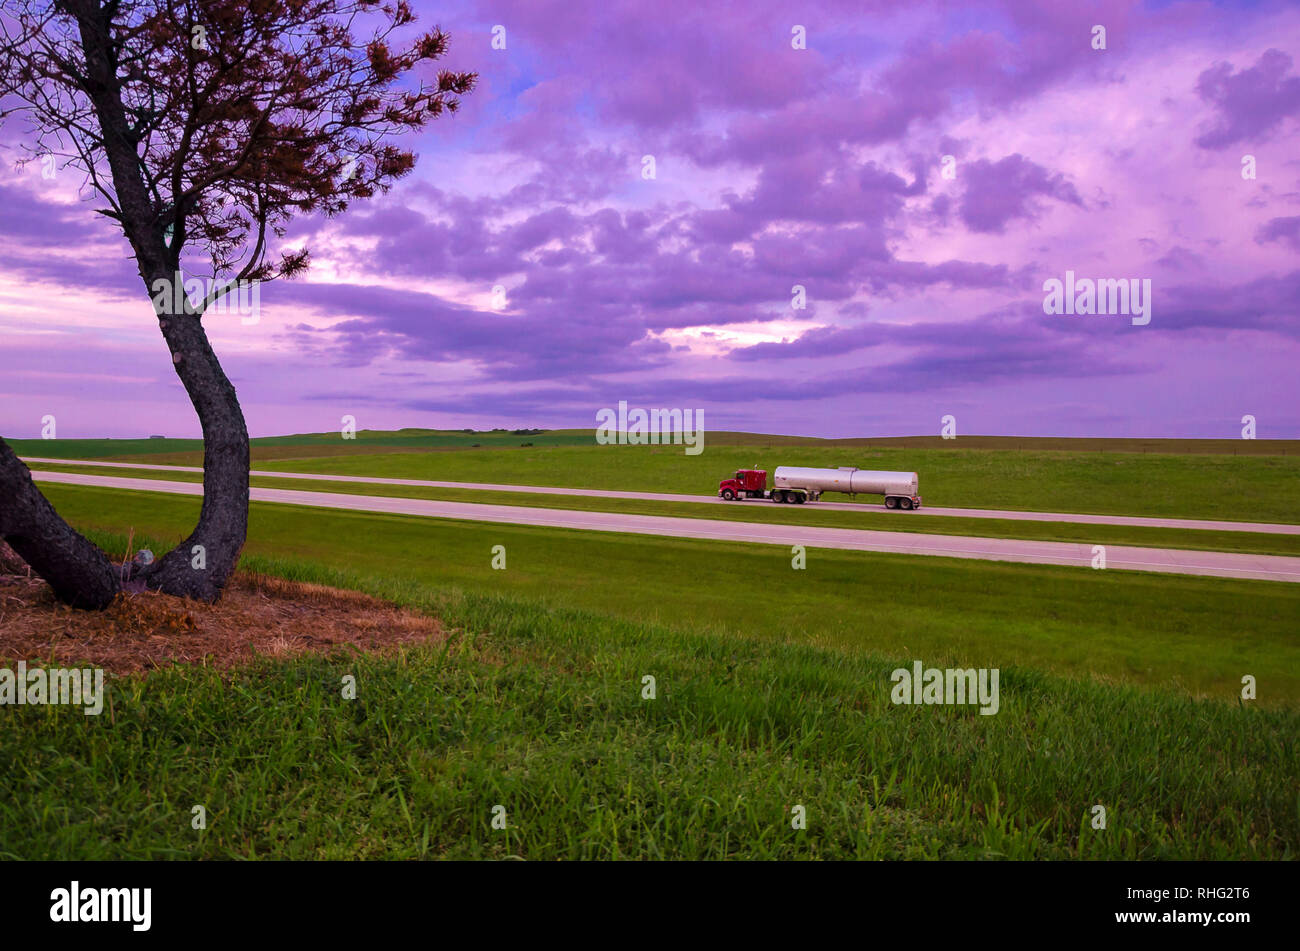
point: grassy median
(874, 518)
(1240, 480)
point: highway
(1270, 528)
(1173, 561)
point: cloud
(776, 167)
(997, 193)
(817, 342)
(1251, 103)
(1285, 230)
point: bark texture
(79, 572)
(201, 565)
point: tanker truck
(796, 484)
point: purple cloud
(997, 193)
(1286, 230)
(776, 167)
(1250, 103)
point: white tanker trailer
(798, 484)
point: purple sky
(774, 167)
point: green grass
(540, 710)
(1246, 480)
(1199, 635)
(366, 441)
(420, 440)
(1188, 486)
(871, 517)
(1245, 488)
(1118, 688)
(1243, 480)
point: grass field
(871, 517)
(1257, 488)
(1196, 634)
(368, 441)
(1117, 688)
(188, 451)
(1195, 479)
(1184, 483)
(774, 698)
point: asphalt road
(1269, 528)
(1174, 561)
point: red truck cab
(745, 484)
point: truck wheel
(728, 495)
(800, 499)
(891, 503)
(907, 504)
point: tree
(205, 126)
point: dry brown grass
(256, 616)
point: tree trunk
(202, 564)
(79, 572)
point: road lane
(1268, 528)
(1174, 561)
